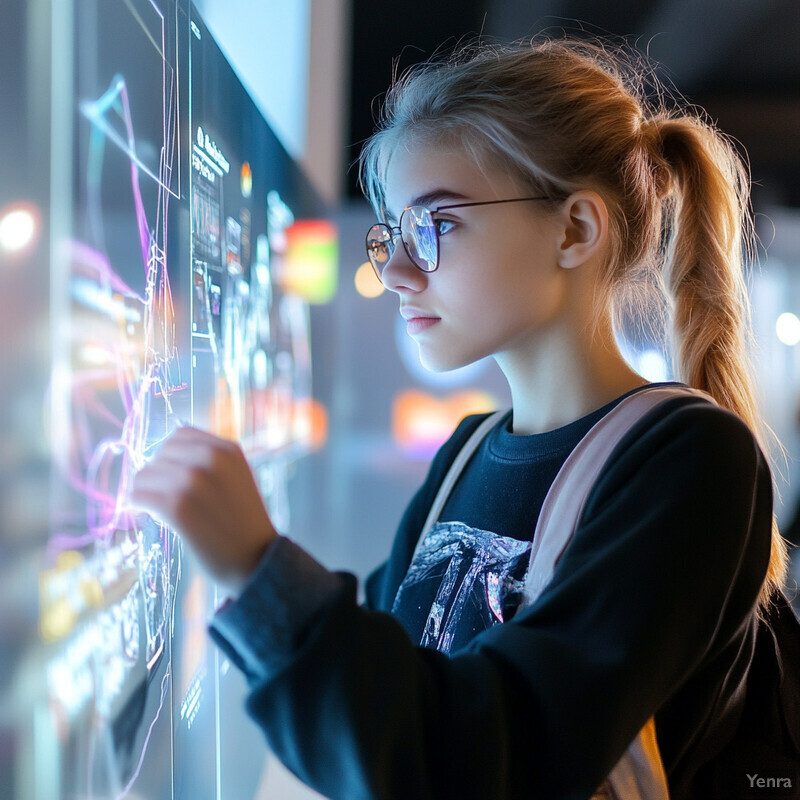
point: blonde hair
(562, 115)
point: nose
(400, 273)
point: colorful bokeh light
(19, 225)
(787, 328)
(311, 261)
(367, 283)
(422, 422)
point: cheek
(516, 293)
(531, 278)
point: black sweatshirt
(650, 612)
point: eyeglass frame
(396, 230)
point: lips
(412, 312)
(417, 319)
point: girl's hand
(202, 486)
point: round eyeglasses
(418, 233)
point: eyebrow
(433, 198)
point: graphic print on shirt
(462, 581)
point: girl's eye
(443, 226)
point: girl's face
(498, 287)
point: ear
(583, 228)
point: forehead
(432, 175)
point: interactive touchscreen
(168, 307)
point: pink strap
(566, 499)
(459, 462)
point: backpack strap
(563, 506)
(456, 468)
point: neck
(563, 375)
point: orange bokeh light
(421, 422)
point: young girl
(521, 192)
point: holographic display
(167, 309)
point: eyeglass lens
(418, 234)
(419, 237)
(380, 246)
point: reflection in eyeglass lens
(421, 238)
(379, 252)
(379, 245)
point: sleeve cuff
(262, 628)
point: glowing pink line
(88, 256)
(60, 542)
(106, 505)
(141, 217)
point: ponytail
(711, 235)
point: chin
(438, 362)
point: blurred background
(284, 94)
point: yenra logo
(209, 147)
(769, 783)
